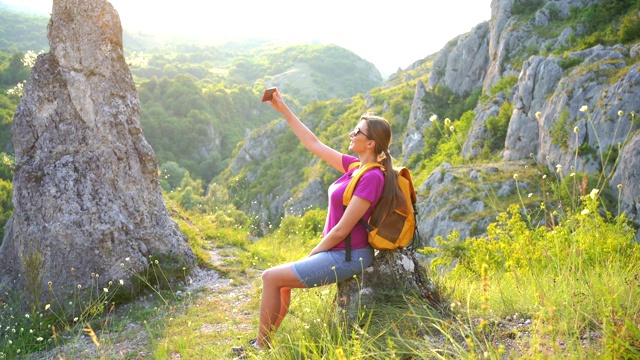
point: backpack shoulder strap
(348, 194)
(351, 187)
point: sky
(389, 34)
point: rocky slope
(582, 103)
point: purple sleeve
(370, 186)
(348, 160)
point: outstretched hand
(276, 102)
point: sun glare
(390, 36)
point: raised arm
(306, 136)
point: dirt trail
(132, 341)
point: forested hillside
(198, 101)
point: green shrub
(526, 7)
(498, 126)
(560, 130)
(504, 85)
(630, 28)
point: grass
(522, 292)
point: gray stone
(86, 190)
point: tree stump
(391, 275)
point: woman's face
(359, 137)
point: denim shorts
(330, 267)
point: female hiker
(326, 264)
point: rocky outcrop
(573, 111)
(475, 142)
(413, 140)
(563, 106)
(462, 64)
(86, 190)
(626, 179)
(599, 127)
(512, 38)
(464, 198)
(539, 77)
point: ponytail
(380, 131)
(391, 195)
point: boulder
(86, 192)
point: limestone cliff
(576, 103)
(86, 190)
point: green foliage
(570, 275)
(630, 28)
(504, 85)
(308, 227)
(445, 103)
(448, 148)
(14, 70)
(171, 175)
(511, 245)
(604, 22)
(526, 7)
(498, 126)
(6, 204)
(440, 143)
(22, 32)
(178, 109)
(560, 130)
(568, 63)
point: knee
(269, 276)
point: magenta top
(369, 187)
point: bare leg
(276, 295)
(285, 301)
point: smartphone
(268, 94)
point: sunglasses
(357, 131)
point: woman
(326, 263)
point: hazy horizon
(389, 36)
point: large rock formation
(86, 191)
(413, 141)
(548, 123)
(462, 64)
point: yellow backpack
(396, 230)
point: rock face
(413, 141)
(627, 176)
(86, 191)
(549, 123)
(462, 64)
